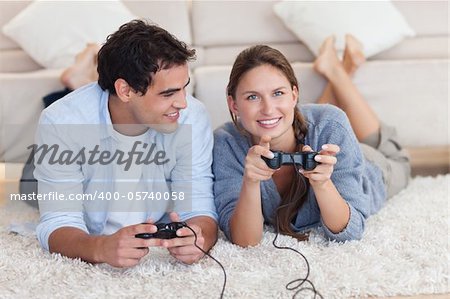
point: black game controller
(165, 231)
(304, 159)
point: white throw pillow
(378, 25)
(53, 32)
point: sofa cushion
(17, 60)
(377, 25)
(54, 44)
(411, 95)
(226, 27)
(9, 9)
(231, 23)
(427, 18)
(423, 47)
(170, 15)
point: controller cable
(291, 285)
(206, 253)
(297, 284)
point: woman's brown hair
(247, 60)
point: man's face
(159, 108)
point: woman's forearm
(247, 220)
(333, 208)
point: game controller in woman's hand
(304, 159)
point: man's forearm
(75, 243)
(209, 230)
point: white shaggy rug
(404, 252)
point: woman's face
(264, 103)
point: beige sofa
(407, 85)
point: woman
(361, 163)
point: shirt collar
(105, 117)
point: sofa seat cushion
(16, 61)
(405, 94)
(424, 47)
(421, 47)
(20, 109)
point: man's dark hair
(135, 52)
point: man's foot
(327, 61)
(353, 54)
(84, 70)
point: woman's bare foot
(84, 70)
(327, 61)
(353, 54)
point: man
(139, 100)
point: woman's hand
(334, 209)
(322, 173)
(256, 169)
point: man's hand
(183, 248)
(123, 249)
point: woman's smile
(269, 123)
